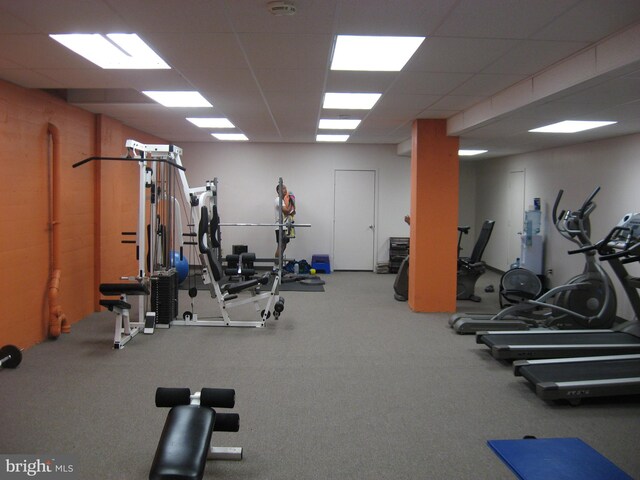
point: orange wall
(24, 210)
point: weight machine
(160, 236)
(227, 295)
(155, 239)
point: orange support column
(434, 218)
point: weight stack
(164, 297)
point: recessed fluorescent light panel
(115, 51)
(373, 54)
(470, 153)
(211, 122)
(178, 99)
(231, 137)
(571, 126)
(338, 124)
(350, 101)
(332, 138)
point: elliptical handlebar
(588, 205)
(554, 212)
(574, 225)
(586, 248)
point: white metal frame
(125, 329)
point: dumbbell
(10, 356)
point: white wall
(612, 164)
(248, 174)
(467, 201)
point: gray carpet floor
(347, 384)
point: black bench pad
(238, 287)
(184, 444)
(120, 288)
(111, 304)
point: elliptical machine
(586, 301)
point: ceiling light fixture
(571, 126)
(350, 101)
(178, 99)
(373, 54)
(231, 137)
(332, 138)
(470, 153)
(338, 124)
(211, 122)
(116, 51)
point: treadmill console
(626, 233)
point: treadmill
(573, 379)
(620, 247)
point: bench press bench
(185, 443)
(124, 331)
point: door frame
(375, 213)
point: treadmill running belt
(581, 371)
(608, 338)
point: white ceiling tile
(287, 80)
(265, 50)
(501, 18)
(268, 74)
(384, 17)
(531, 56)
(486, 84)
(374, 82)
(429, 83)
(458, 55)
(590, 20)
(186, 50)
(312, 16)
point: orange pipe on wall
(57, 319)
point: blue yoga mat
(555, 458)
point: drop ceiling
(493, 68)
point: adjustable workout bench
(185, 443)
(125, 330)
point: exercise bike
(469, 268)
(586, 301)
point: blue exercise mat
(555, 458)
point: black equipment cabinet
(398, 250)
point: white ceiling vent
(281, 8)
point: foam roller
(226, 422)
(171, 397)
(218, 397)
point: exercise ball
(181, 266)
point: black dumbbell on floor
(10, 356)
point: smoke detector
(280, 8)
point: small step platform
(321, 263)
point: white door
(354, 215)
(516, 217)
